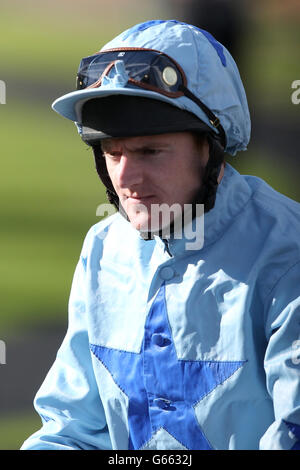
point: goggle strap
(214, 120)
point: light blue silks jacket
(183, 349)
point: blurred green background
(49, 190)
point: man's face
(154, 170)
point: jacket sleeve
(282, 362)
(68, 401)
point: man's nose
(130, 172)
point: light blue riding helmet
(213, 90)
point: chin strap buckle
(215, 122)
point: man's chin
(142, 225)
(148, 229)
(155, 220)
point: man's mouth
(138, 198)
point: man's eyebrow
(148, 145)
(109, 146)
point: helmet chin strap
(209, 186)
(207, 191)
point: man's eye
(113, 155)
(150, 151)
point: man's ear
(212, 172)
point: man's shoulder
(252, 202)
(105, 224)
(271, 202)
(276, 220)
(100, 230)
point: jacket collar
(232, 195)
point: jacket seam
(281, 277)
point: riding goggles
(146, 68)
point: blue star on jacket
(162, 389)
(295, 429)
